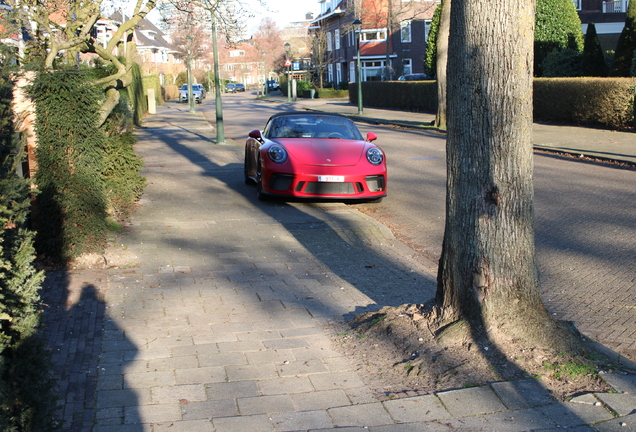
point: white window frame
(577, 4)
(427, 29)
(367, 34)
(329, 42)
(338, 73)
(407, 66)
(405, 27)
(336, 38)
(352, 72)
(330, 73)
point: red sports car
(314, 155)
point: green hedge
(404, 95)
(152, 82)
(27, 401)
(606, 102)
(71, 203)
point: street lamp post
(357, 24)
(287, 45)
(220, 130)
(266, 74)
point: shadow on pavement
(326, 234)
(78, 332)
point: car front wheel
(259, 183)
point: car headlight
(375, 156)
(277, 154)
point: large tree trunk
(442, 60)
(487, 273)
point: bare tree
(65, 28)
(390, 14)
(321, 56)
(487, 276)
(268, 38)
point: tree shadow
(335, 241)
(79, 334)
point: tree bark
(487, 273)
(442, 60)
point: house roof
(147, 35)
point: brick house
(607, 16)
(399, 42)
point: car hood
(324, 152)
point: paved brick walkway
(217, 321)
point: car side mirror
(371, 136)
(256, 134)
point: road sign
(287, 62)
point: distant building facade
(389, 47)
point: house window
(372, 70)
(577, 4)
(336, 37)
(338, 73)
(405, 31)
(374, 35)
(330, 73)
(329, 42)
(407, 66)
(352, 71)
(427, 29)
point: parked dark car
(240, 87)
(414, 77)
(230, 88)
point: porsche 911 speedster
(315, 155)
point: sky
(282, 12)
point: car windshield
(308, 126)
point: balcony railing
(617, 6)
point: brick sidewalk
(217, 323)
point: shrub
(557, 27)
(123, 182)
(26, 387)
(406, 95)
(590, 101)
(562, 63)
(303, 85)
(626, 45)
(593, 62)
(70, 154)
(430, 58)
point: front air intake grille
(280, 182)
(327, 188)
(375, 183)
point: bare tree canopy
(66, 27)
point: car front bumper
(340, 185)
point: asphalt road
(585, 221)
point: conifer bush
(71, 202)
(26, 386)
(558, 27)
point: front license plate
(333, 179)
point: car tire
(259, 183)
(248, 180)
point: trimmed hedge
(327, 93)
(606, 102)
(404, 95)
